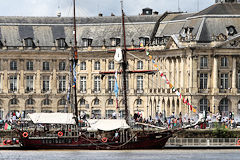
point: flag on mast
(116, 88)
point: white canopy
(107, 124)
(52, 118)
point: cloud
(93, 7)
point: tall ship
(70, 131)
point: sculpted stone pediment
(233, 43)
(171, 44)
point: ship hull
(146, 142)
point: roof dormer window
(231, 30)
(115, 42)
(1, 44)
(87, 42)
(61, 43)
(143, 41)
(28, 42)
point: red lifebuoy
(60, 134)
(104, 139)
(238, 142)
(25, 134)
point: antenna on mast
(179, 10)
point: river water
(121, 155)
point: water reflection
(121, 155)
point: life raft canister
(60, 133)
(25, 134)
(104, 139)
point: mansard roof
(221, 9)
(204, 26)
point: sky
(89, 8)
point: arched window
(203, 105)
(96, 101)
(13, 101)
(46, 102)
(82, 102)
(224, 106)
(110, 101)
(62, 102)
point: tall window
(203, 62)
(29, 81)
(111, 81)
(224, 81)
(45, 83)
(224, 62)
(203, 105)
(224, 106)
(111, 65)
(46, 101)
(62, 83)
(203, 80)
(13, 83)
(45, 66)
(238, 80)
(140, 83)
(30, 101)
(140, 65)
(97, 83)
(13, 65)
(62, 66)
(96, 113)
(83, 83)
(109, 113)
(97, 65)
(83, 66)
(29, 65)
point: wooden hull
(152, 141)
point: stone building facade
(198, 53)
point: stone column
(171, 105)
(38, 78)
(234, 73)
(177, 84)
(215, 75)
(89, 65)
(183, 61)
(21, 78)
(54, 78)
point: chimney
(100, 15)
(155, 13)
(146, 11)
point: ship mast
(74, 62)
(124, 67)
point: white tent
(52, 118)
(107, 124)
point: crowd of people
(178, 121)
